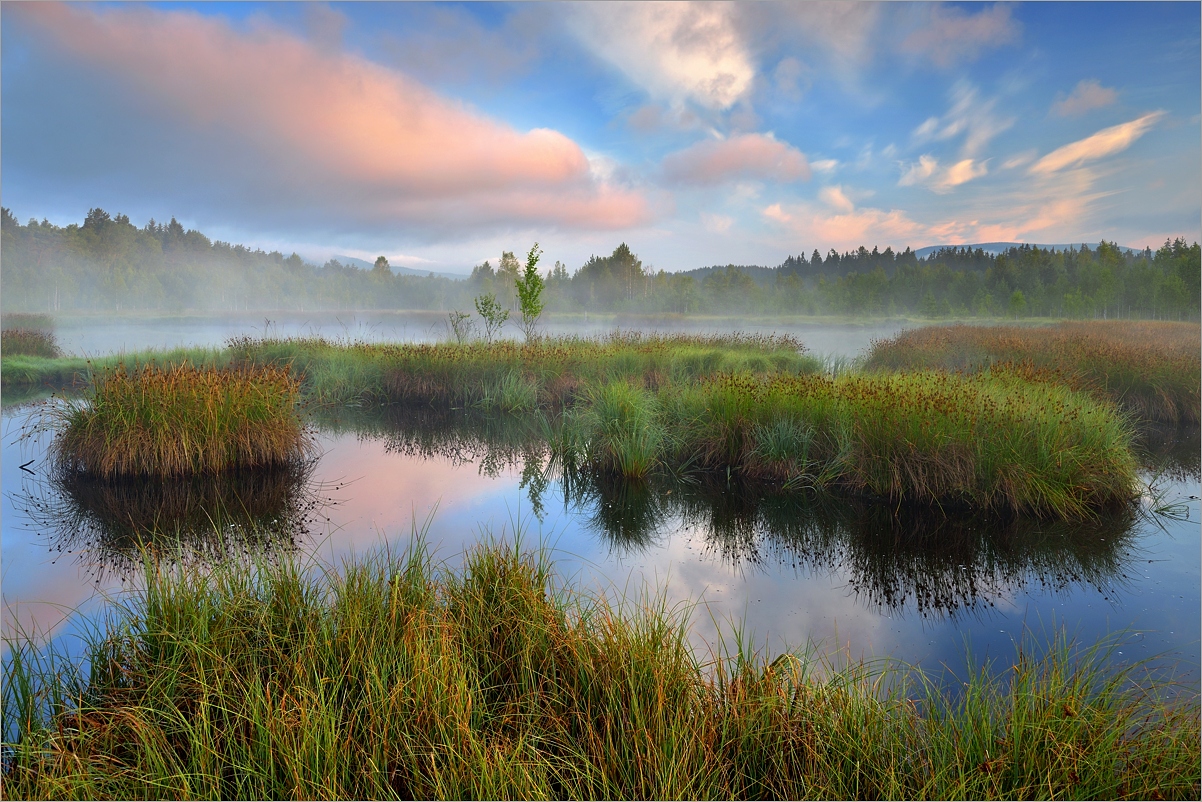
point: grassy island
(392, 678)
(181, 420)
(1009, 437)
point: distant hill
(1001, 247)
(400, 271)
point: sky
(440, 134)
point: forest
(109, 264)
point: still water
(787, 570)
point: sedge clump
(180, 420)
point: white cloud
(674, 51)
(1086, 96)
(825, 165)
(1114, 139)
(969, 116)
(920, 171)
(1019, 159)
(927, 172)
(716, 223)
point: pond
(786, 570)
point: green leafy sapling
(530, 294)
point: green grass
(1007, 438)
(395, 678)
(1151, 369)
(24, 372)
(179, 420)
(989, 441)
(549, 373)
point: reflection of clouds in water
(795, 571)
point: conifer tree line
(109, 264)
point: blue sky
(699, 133)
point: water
(102, 335)
(920, 588)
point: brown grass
(1151, 369)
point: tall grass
(393, 678)
(1151, 369)
(990, 441)
(180, 420)
(549, 373)
(29, 342)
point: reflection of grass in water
(939, 563)
(394, 678)
(1174, 452)
(114, 525)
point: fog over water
(102, 335)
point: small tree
(493, 313)
(530, 294)
(460, 324)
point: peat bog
(943, 476)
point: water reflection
(1172, 452)
(109, 526)
(938, 564)
(890, 558)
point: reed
(392, 677)
(990, 441)
(29, 342)
(180, 420)
(1151, 369)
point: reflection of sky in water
(781, 598)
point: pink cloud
(743, 156)
(1086, 96)
(1106, 142)
(336, 124)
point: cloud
(716, 223)
(1104, 143)
(952, 35)
(825, 165)
(1086, 96)
(675, 52)
(848, 227)
(332, 135)
(743, 156)
(927, 172)
(845, 31)
(836, 199)
(969, 116)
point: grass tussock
(29, 342)
(989, 441)
(1151, 369)
(181, 420)
(393, 679)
